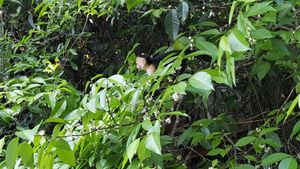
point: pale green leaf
(183, 11)
(172, 24)
(237, 41)
(152, 143)
(132, 148)
(288, 163)
(259, 8)
(201, 80)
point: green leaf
(132, 148)
(62, 144)
(208, 47)
(152, 143)
(288, 163)
(231, 11)
(142, 152)
(217, 151)
(183, 11)
(2, 141)
(59, 108)
(174, 113)
(245, 166)
(210, 32)
(64, 152)
(261, 69)
(296, 129)
(1, 3)
(66, 156)
(172, 24)
(180, 87)
(237, 41)
(26, 153)
(244, 141)
(293, 105)
(273, 158)
(259, 8)
(74, 66)
(133, 3)
(117, 80)
(262, 33)
(12, 152)
(201, 80)
(147, 124)
(38, 80)
(267, 131)
(26, 134)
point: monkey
(150, 63)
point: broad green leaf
(64, 152)
(26, 154)
(12, 152)
(183, 11)
(152, 143)
(237, 41)
(224, 44)
(251, 158)
(147, 124)
(245, 166)
(132, 148)
(210, 32)
(262, 33)
(26, 134)
(210, 48)
(273, 158)
(59, 108)
(217, 151)
(118, 80)
(51, 99)
(142, 152)
(296, 129)
(133, 3)
(62, 144)
(288, 163)
(172, 24)
(267, 131)
(38, 80)
(93, 104)
(261, 69)
(244, 141)
(66, 156)
(259, 8)
(201, 80)
(180, 87)
(75, 115)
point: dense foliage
(71, 97)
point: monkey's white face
(140, 63)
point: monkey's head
(142, 63)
